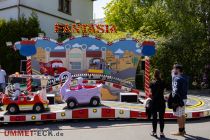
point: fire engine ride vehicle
(52, 67)
(85, 95)
(36, 102)
(23, 103)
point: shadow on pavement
(191, 137)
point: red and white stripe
(94, 113)
(29, 72)
(147, 76)
(109, 84)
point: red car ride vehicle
(80, 94)
(52, 67)
(33, 103)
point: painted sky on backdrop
(88, 43)
(98, 11)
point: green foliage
(12, 31)
(181, 29)
(148, 16)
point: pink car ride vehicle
(80, 95)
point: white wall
(7, 14)
(46, 22)
(7, 3)
(81, 9)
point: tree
(181, 28)
(13, 30)
(146, 16)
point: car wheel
(38, 108)
(71, 104)
(95, 102)
(13, 109)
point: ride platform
(197, 107)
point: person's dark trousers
(155, 120)
(2, 87)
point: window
(75, 65)
(60, 5)
(75, 55)
(117, 56)
(65, 6)
(57, 65)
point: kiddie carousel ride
(122, 55)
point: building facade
(49, 12)
(76, 59)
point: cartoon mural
(87, 54)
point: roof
(57, 54)
(93, 54)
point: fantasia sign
(85, 28)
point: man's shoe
(162, 135)
(154, 134)
(184, 132)
(178, 133)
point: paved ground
(109, 130)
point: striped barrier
(93, 113)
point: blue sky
(98, 11)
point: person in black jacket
(158, 103)
(179, 96)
